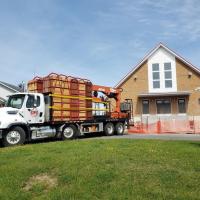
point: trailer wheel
(109, 129)
(14, 136)
(69, 132)
(119, 128)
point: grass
(101, 169)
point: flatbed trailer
(36, 115)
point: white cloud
(114, 35)
(175, 18)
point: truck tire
(14, 136)
(119, 128)
(69, 132)
(109, 129)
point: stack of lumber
(71, 97)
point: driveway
(187, 137)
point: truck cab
(30, 106)
(22, 110)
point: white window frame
(168, 70)
(156, 71)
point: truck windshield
(15, 101)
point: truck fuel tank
(43, 132)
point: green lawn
(101, 169)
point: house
(5, 90)
(163, 84)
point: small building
(7, 89)
(163, 84)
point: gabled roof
(149, 55)
(11, 87)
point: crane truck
(60, 106)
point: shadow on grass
(45, 140)
(195, 144)
(91, 135)
(86, 136)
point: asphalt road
(187, 137)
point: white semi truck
(27, 116)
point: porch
(163, 103)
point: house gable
(162, 79)
(145, 59)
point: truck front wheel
(14, 136)
(69, 132)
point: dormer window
(168, 75)
(156, 75)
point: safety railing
(166, 124)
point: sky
(101, 40)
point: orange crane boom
(110, 93)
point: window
(31, 101)
(145, 106)
(15, 101)
(156, 75)
(38, 101)
(168, 75)
(181, 106)
(163, 106)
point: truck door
(28, 108)
(33, 112)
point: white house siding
(161, 56)
(4, 92)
